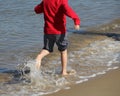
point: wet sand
(103, 85)
(5, 77)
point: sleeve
(70, 12)
(39, 8)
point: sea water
(95, 59)
(21, 40)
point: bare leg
(41, 55)
(64, 62)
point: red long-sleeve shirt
(55, 12)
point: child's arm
(71, 13)
(39, 8)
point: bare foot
(65, 74)
(71, 72)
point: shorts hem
(48, 50)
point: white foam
(95, 59)
(90, 76)
(101, 73)
(109, 63)
(67, 88)
(81, 81)
(116, 67)
(61, 82)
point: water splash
(93, 60)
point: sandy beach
(92, 50)
(103, 85)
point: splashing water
(88, 62)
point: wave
(111, 29)
(95, 59)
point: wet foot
(65, 74)
(71, 72)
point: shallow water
(22, 31)
(88, 55)
(95, 59)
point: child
(55, 12)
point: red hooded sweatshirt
(55, 12)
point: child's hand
(77, 27)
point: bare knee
(63, 52)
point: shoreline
(103, 85)
(107, 84)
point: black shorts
(51, 39)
